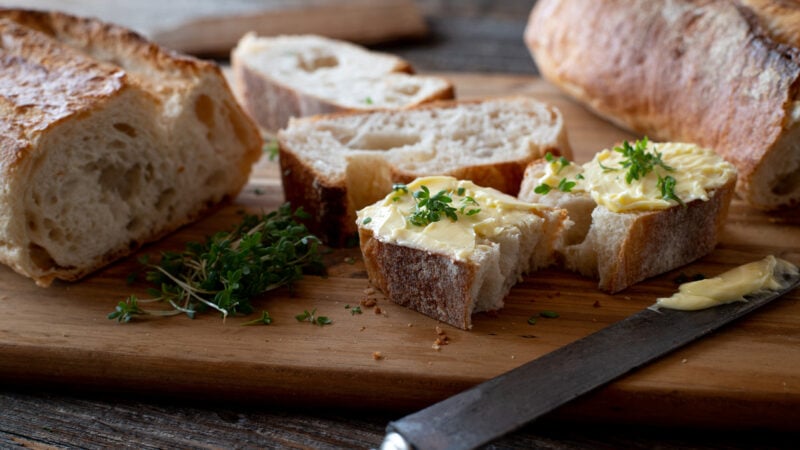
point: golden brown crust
(700, 71)
(659, 241)
(433, 284)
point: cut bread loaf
(333, 165)
(108, 141)
(721, 73)
(449, 269)
(626, 232)
(294, 76)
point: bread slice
(450, 269)
(294, 76)
(722, 74)
(334, 165)
(640, 236)
(108, 141)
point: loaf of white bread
(448, 248)
(107, 141)
(336, 164)
(451, 263)
(720, 73)
(625, 228)
(280, 77)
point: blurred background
(434, 35)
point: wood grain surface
(746, 375)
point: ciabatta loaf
(334, 165)
(721, 73)
(449, 248)
(631, 227)
(294, 76)
(107, 141)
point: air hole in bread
(41, 257)
(384, 141)
(125, 129)
(54, 234)
(316, 61)
(204, 110)
(117, 144)
(242, 133)
(122, 181)
(217, 178)
(165, 199)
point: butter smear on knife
(731, 286)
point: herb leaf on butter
(230, 268)
(667, 186)
(432, 208)
(638, 160)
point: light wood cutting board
(746, 375)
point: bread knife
(509, 401)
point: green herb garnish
(272, 149)
(368, 100)
(566, 186)
(532, 320)
(230, 268)
(667, 186)
(431, 208)
(466, 202)
(354, 310)
(366, 220)
(638, 160)
(549, 314)
(265, 319)
(307, 316)
(543, 188)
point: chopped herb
(398, 187)
(579, 176)
(272, 149)
(562, 161)
(549, 314)
(466, 202)
(638, 160)
(259, 191)
(307, 316)
(368, 100)
(667, 186)
(230, 268)
(566, 186)
(355, 310)
(549, 157)
(431, 208)
(265, 319)
(460, 191)
(366, 220)
(543, 188)
(532, 320)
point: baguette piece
(294, 76)
(720, 73)
(334, 165)
(624, 233)
(107, 141)
(450, 269)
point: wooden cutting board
(746, 375)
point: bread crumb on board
(441, 339)
(377, 356)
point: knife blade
(518, 397)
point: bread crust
(433, 284)
(60, 71)
(714, 72)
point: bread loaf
(334, 165)
(459, 263)
(294, 76)
(720, 73)
(108, 141)
(625, 232)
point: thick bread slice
(107, 141)
(294, 76)
(334, 165)
(721, 73)
(623, 248)
(435, 276)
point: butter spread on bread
(335, 164)
(461, 263)
(625, 232)
(300, 75)
(731, 286)
(107, 142)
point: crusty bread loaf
(107, 141)
(294, 76)
(334, 165)
(450, 269)
(621, 248)
(721, 73)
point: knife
(511, 400)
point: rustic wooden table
(482, 36)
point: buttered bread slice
(638, 210)
(334, 165)
(449, 248)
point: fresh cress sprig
(230, 268)
(431, 208)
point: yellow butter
(388, 218)
(730, 286)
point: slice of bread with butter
(449, 248)
(638, 210)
